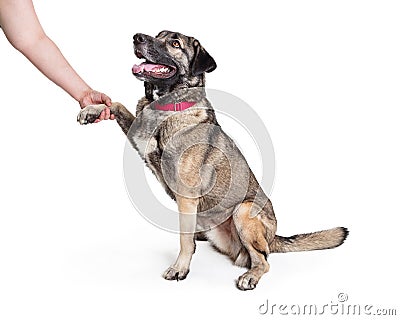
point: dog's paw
(90, 113)
(173, 273)
(247, 281)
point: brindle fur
(246, 236)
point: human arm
(22, 28)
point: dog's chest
(144, 130)
(144, 137)
(145, 145)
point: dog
(176, 133)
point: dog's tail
(319, 240)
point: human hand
(95, 97)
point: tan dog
(176, 133)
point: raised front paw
(174, 273)
(90, 113)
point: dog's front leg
(90, 113)
(187, 223)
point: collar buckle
(177, 106)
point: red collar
(179, 106)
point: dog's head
(172, 61)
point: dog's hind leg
(187, 224)
(90, 113)
(225, 239)
(253, 235)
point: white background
(323, 75)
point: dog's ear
(202, 61)
(162, 33)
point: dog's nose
(139, 38)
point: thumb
(106, 99)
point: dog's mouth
(152, 69)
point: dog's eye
(176, 44)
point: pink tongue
(137, 69)
(146, 67)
